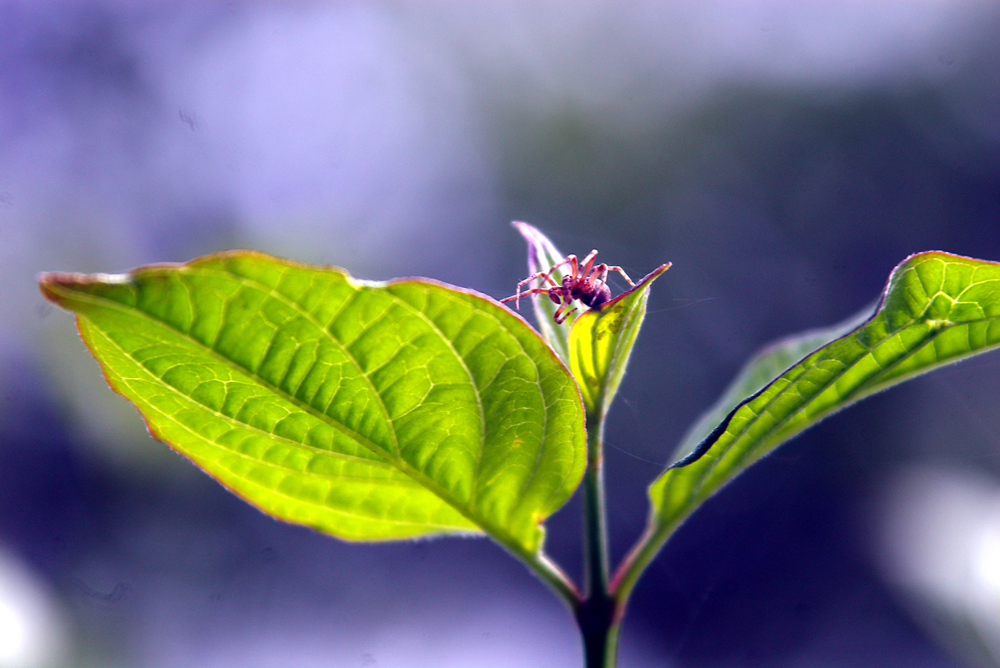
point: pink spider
(584, 282)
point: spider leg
(586, 267)
(574, 267)
(547, 275)
(602, 271)
(569, 259)
(559, 316)
(620, 271)
(532, 291)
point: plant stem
(596, 614)
(598, 624)
(595, 527)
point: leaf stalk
(597, 614)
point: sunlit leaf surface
(601, 340)
(937, 308)
(369, 411)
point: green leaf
(937, 308)
(601, 340)
(762, 368)
(368, 411)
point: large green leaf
(937, 308)
(369, 411)
(600, 343)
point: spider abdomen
(597, 295)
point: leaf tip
(649, 278)
(535, 239)
(656, 272)
(56, 285)
(641, 285)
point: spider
(585, 282)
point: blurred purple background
(783, 155)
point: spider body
(585, 282)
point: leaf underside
(368, 411)
(937, 308)
(758, 372)
(543, 256)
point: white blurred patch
(32, 630)
(939, 540)
(987, 559)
